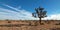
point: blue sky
(21, 9)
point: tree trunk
(40, 20)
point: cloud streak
(14, 9)
(22, 14)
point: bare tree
(40, 13)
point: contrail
(10, 12)
(14, 9)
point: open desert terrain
(29, 25)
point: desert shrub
(57, 24)
(55, 29)
(42, 23)
(48, 22)
(9, 21)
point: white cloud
(22, 14)
(53, 17)
(11, 7)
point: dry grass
(28, 24)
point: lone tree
(40, 13)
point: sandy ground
(29, 25)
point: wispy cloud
(22, 14)
(15, 9)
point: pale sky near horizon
(23, 9)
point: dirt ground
(29, 25)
